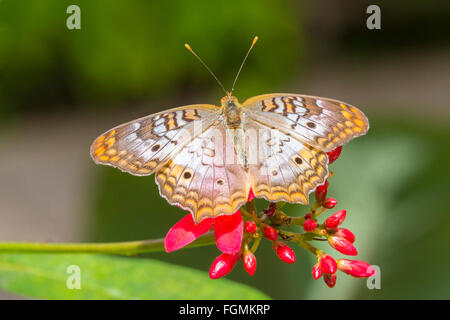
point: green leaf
(108, 277)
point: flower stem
(256, 243)
(309, 247)
(318, 212)
(251, 207)
(296, 220)
(124, 248)
(315, 211)
(301, 239)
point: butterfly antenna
(207, 68)
(242, 64)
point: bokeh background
(60, 88)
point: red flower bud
(316, 271)
(309, 225)
(222, 265)
(251, 195)
(346, 234)
(342, 245)
(321, 191)
(270, 233)
(284, 252)
(328, 264)
(330, 279)
(334, 154)
(329, 203)
(307, 216)
(249, 262)
(271, 210)
(250, 227)
(335, 219)
(356, 268)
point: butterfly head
(229, 101)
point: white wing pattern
(286, 169)
(301, 130)
(201, 180)
(141, 146)
(319, 122)
(188, 149)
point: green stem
(315, 211)
(251, 207)
(246, 213)
(297, 220)
(125, 247)
(307, 246)
(318, 212)
(256, 244)
(300, 239)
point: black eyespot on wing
(311, 125)
(156, 147)
(187, 175)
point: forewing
(202, 177)
(319, 122)
(141, 146)
(285, 169)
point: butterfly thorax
(233, 119)
(232, 111)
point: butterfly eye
(311, 125)
(155, 147)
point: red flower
(284, 252)
(330, 279)
(270, 233)
(321, 191)
(329, 203)
(316, 271)
(356, 268)
(223, 265)
(228, 230)
(334, 154)
(309, 225)
(328, 264)
(335, 219)
(251, 195)
(249, 260)
(250, 227)
(346, 234)
(329, 267)
(342, 245)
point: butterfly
(206, 158)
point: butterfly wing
(285, 168)
(319, 122)
(141, 146)
(201, 179)
(300, 130)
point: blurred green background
(60, 88)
